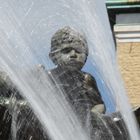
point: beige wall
(129, 61)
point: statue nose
(73, 54)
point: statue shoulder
(5, 79)
(7, 87)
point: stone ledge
(127, 33)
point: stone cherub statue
(69, 52)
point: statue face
(69, 48)
(71, 55)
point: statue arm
(90, 82)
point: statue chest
(69, 80)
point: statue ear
(53, 58)
(50, 55)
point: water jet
(26, 29)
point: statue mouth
(73, 61)
(74, 64)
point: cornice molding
(127, 33)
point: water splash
(25, 33)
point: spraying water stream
(26, 28)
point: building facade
(125, 21)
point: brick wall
(129, 61)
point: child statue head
(69, 48)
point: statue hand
(98, 109)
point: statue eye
(66, 50)
(70, 41)
(79, 50)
